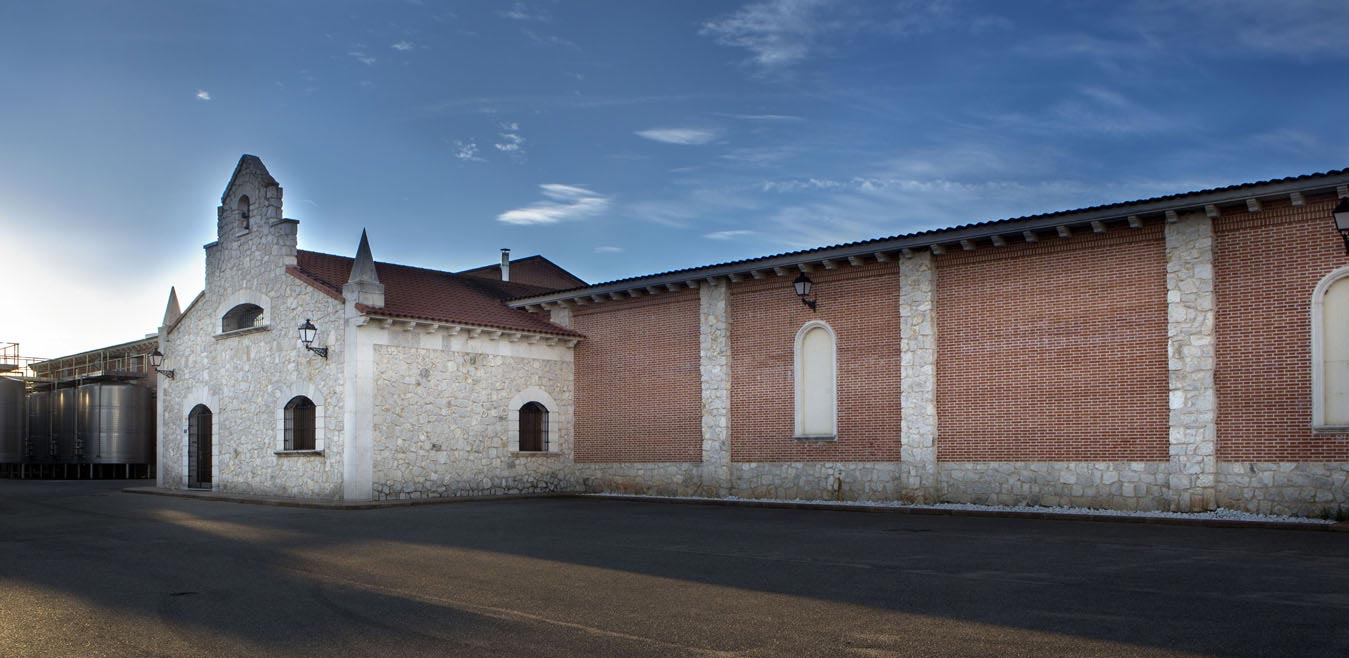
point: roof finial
(363, 269)
(171, 310)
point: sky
(617, 138)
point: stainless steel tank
(66, 422)
(12, 414)
(115, 424)
(39, 427)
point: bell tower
(253, 239)
(252, 200)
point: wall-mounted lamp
(803, 284)
(1342, 222)
(156, 360)
(307, 334)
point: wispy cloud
(608, 249)
(561, 203)
(684, 136)
(762, 117)
(511, 141)
(776, 33)
(1296, 28)
(549, 39)
(522, 11)
(203, 95)
(728, 235)
(362, 57)
(403, 46)
(782, 33)
(467, 151)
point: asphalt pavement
(86, 570)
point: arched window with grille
(301, 425)
(533, 427)
(243, 316)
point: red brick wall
(1266, 265)
(861, 304)
(638, 386)
(1055, 350)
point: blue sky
(616, 138)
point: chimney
(506, 264)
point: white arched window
(1330, 352)
(816, 382)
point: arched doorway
(199, 447)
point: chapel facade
(1176, 353)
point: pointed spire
(363, 269)
(171, 310)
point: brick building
(1177, 353)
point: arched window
(300, 424)
(816, 387)
(244, 212)
(533, 428)
(243, 316)
(1330, 353)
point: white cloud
(521, 11)
(203, 95)
(403, 46)
(561, 203)
(781, 33)
(467, 151)
(511, 142)
(776, 32)
(549, 39)
(606, 249)
(362, 57)
(763, 117)
(728, 235)
(684, 136)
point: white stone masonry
(917, 376)
(1190, 352)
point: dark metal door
(533, 428)
(199, 447)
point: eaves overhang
(995, 233)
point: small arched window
(243, 316)
(244, 213)
(300, 425)
(533, 428)
(816, 383)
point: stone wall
(1189, 297)
(917, 378)
(442, 421)
(1101, 485)
(1298, 488)
(246, 377)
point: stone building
(1176, 353)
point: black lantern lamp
(803, 286)
(308, 332)
(156, 360)
(1342, 222)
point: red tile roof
(422, 294)
(534, 270)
